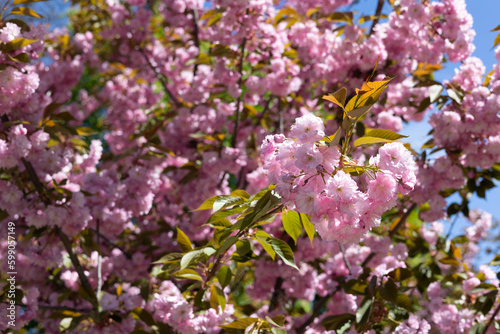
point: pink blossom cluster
(170, 307)
(134, 186)
(312, 179)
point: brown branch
(401, 222)
(266, 108)
(160, 77)
(64, 238)
(277, 293)
(238, 104)
(78, 267)
(196, 37)
(490, 322)
(378, 11)
(348, 266)
(111, 243)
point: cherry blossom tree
(189, 166)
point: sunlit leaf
(190, 257)
(292, 224)
(183, 241)
(335, 322)
(224, 276)
(284, 251)
(188, 274)
(25, 12)
(16, 44)
(308, 226)
(373, 136)
(338, 97)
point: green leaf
(363, 312)
(284, 251)
(183, 241)
(368, 95)
(209, 251)
(338, 97)
(25, 12)
(485, 302)
(333, 139)
(355, 287)
(435, 92)
(240, 193)
(483, 287)
(264, 204)
(208, 204)
(400, 274)
(227, 243)
(335, 322)
(144, 316)
(20, 58)
(214, 19)
(358, 112)
(243, 247)
(170, 257)
(389, 291)
(404, 301)
(188, 274)
(224, 276)
(217, 298)
(225, 201)
(278, 320)
(292, 224)
(262, 237)
(308, 226)
(188, 258)
(478, 328)
(16, 44)
(373, 136)
(20, 23)
(495, 261)
(18, 2)
(450, 261)
(221, 234)
(241, 323)
(497, 40)
(225, 213)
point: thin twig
(111, 243)
(238, 104)
(160, 77)
(281, 126)
(378, 11)
(78, 267)
(490, 322)
(196, 37)
(277, 292)
(99, 271)
(348, 266)
(64, 238)
(266, 108)
(401, 222)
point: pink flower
(308, 128)
(308, 157)
(306, 201)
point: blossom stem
(485, 330)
